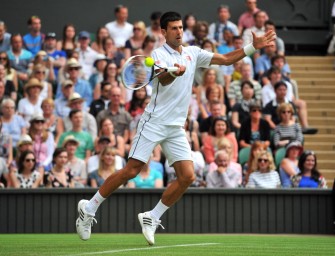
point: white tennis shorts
(172, 139)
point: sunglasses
(260, 160)
(71, 69)
(29, 160)
(3, 58)
(256, 110)
(137, 29)
(286, 112)
(38, 122)
(39, 72)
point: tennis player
(162, 123)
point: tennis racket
(135, 74)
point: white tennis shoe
(149, 226)
(84, 222)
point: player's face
(174, 33)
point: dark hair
(272, 70)
(186, 17)
(30, 20)
(64, 35)
(7, 66)
(97, 39)
(244, 83)
(269, 22)
(104, 41)
(56, 153)
(119, 7)
(257, 13)
(103, 84)
(155, 15)
(222, 6)
(102, 122)
(169, 17)
(280, 83)
(105, 76)
(217, 119)
(73, 112)
(15, 35)
(315, 173)
(276, 57)
(237, 38)
(147, 40)
(22, 159)
(135, 102)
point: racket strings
(136, 73)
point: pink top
(246, 19)
(40, 149)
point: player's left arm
(258, 42)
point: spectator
(228, 37)
(39, 72)
(43, 141)
(31, 104)
(2, 93)
(154, 30)
(105, 169)
(238, 44)
(289, 164)
(12, 123)
(119, 29)
(42, 58)
(60, 176)
(8, 86)
(6, 147)
(89, 123)
(258, 28)
(212, 95)
(81, 86)
(53, 123)
(263, 173)
(11, 74)
(4, 37)
(100, 35)
(33, 41)
(135, 106)
(235, 93)
(148, 45)
(220, 129)
(254, 128)
(223, 176)
(68, 43)
(98, 75)
(113, 54)
(240, 111)
(19, 57)
(120, 117)
(191, 128)
(4, 177)
(61, 108)
(76, 165)
(200, 33)
(309, 176)
(188, 24)
(87, 55)
(104, 100)
(136, 41)
(106, 129)
(26, 175)
(216, 28)
(85, 148)
(246, 19)
(57, 57)
(280, 45)
(147, 178)
(287, 130)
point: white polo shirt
(169, 104)
(120, 34)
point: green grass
(166, 244)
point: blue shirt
(263, 64)
(61, 108)
(56, 55)
(14, 128)
(33, 43)
(308, 182)
(148, 182)
(20, 63)
(5, 44)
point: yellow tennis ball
(149, 62)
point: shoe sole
(140, 219)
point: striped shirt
(264, 180)
(234, 91)
(291, 133)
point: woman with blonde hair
(106, 167)
(263, 173)
(136, 41)
(39, 72)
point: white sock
(159, 210)
(93, 205)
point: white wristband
(249, 49)
(173, 75)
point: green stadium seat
(279, 155)
(243, 155)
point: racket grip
(171, 69)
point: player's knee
(187, 180)
(131, 173)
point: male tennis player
(162, 123)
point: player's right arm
(169, 77)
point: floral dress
(50, 178)
(27, 182)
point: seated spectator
(154, 30)
(33, 41)
(263, 173)
(147, 178)
(256, 147)
(31, 104)
(39, 72)
(280, 45)
(227, 46)
(102, 102)
(25, 143)
(60, 175)
(11, 74)
(26, 175)
(4, 37)
(100, 35)
(113, 54)
(106, 129)
(289, 164)
(2, 93)
(136, 41)
(191, 127)
(53, 123)
(6, 147)
(309, 176)
(212, 95)
(76, 165)
(61, 104)
(43, 142)
(68, 43)
(240, 111)
(44, 62)
(200, 33)
(4, 177)
(223, 176)
(85, 147)
(189, 22)
(254, 128)
(135, 105)
(93, 161)
(19, 57)
(8, 89)
(105, 169)
(220, 129)
(12, 123)
(97, 75)
(148, 45)
(287, 130)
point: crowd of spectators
(67, 120)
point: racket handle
(171, 69)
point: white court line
(146, 248)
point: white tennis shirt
(169, 104)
